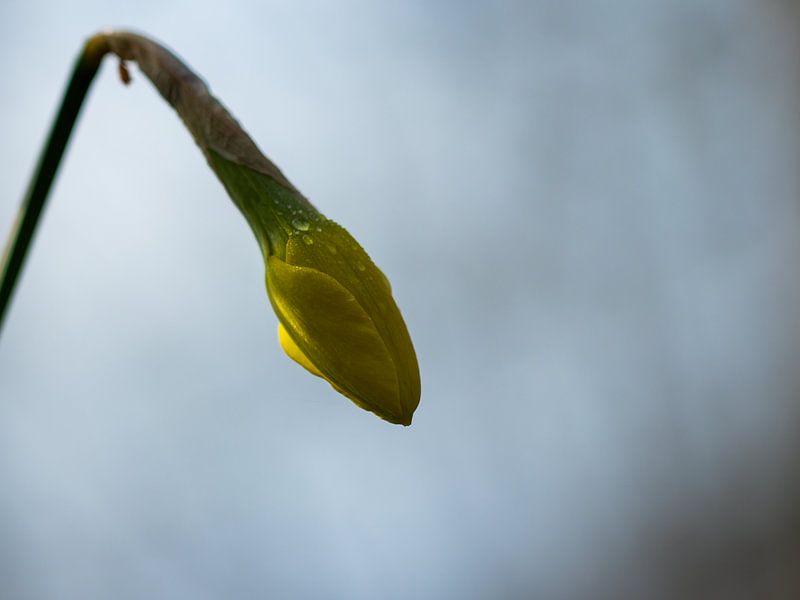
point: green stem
(21, 235)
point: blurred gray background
(590, 214)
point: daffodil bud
(338, 320)
(337, 317)
(336, 314)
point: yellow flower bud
(335, 308)
(338, 320)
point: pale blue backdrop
(590, 214)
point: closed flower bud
(335, 308)
(337, 317)
(338, 320)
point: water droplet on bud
(300, 224)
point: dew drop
(300, 224)
(361, 267)
(319, 228)
(308, 240)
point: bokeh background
(590, 214)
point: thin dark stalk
(22, 233)
(211, 125)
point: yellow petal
(294, 352)
(288, 345)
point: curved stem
(216, 132)
(21, 235)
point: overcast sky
(589, 215)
